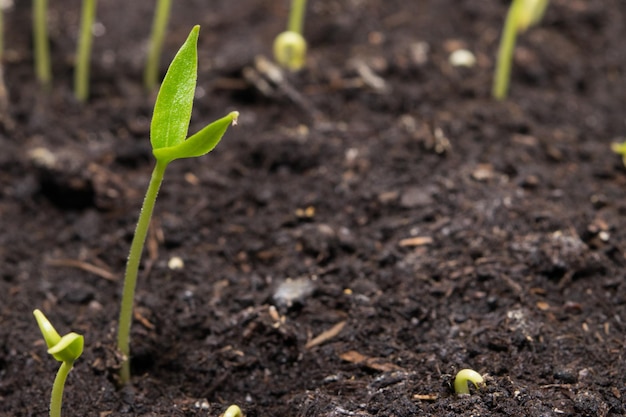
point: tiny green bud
(50, 335)
(464, 377)
(290, 50)
(233, 411)
(64, 349)
(620, 149)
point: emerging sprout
(290, 46)
(168, 136)
(81, 74)
(64, 349)
(233, 411)
(464, 377)
(620, 149)
(159, 25)
(40, 40)
(522, 14)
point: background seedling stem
(296, 16)
(42, 47)
(159, 26)
(83, 55)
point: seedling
(81, 74)
(64, 349)
(522, 15)
(620, 149)
(159, 25)
(290, 46)
(40, 39)
(233, 411)
(464, 377)
(168, 130)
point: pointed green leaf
(199, 144)
(69, 348)
(50, 335)
(172, 110)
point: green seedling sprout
(290, 46)
(64, 349)
(233, 411)
(41, 43)
(620, 149)
(168, 130)
(464, 377)
(83, 55)
(522, 15)
(159, 25)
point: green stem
(1, 33)
(56, 398)
(132, 268)
(296, 16)
(159, 26)
(42, 48)
(81, 75)
(505, 53)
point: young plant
(81, 74)
(233, 411)
(464, 377)
(64, 349)
(168, 130)
(159, 25)
(290, 46)
(620, 149)
(522, 15)
(41, 43)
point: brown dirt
(443, 229)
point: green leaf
(199, 144)
(172, 110)
(49, 333)
(69, 348)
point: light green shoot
(290, 46)
(64, 349)
(233, 411)
(168, 136)
(159, 26)
(41, 45)
(620, 149)
(83, 55)
(464, 377)
(522, 14)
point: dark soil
(441, 229)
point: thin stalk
(159, 25)
(56, 398)
(505, 54)
(1, 32)
(132, 268)
(296, 16)
(81, 74)
(42, 47)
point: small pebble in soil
(462, 58)
(175, 263)
(293, 291)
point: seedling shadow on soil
(377, 223)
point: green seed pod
(290, 50)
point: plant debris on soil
(373, 225)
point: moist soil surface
(373, 225)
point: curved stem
(56, 398)
(42, 48)
(505, 53)
(296, 16)
(132, 268)
(159, 26)
(81, 75)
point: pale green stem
(42, 48)
(296, 16)
(1, 33)
(159, 25)
(505, 54)
(56, 398)
(81, 74)
(132, 268)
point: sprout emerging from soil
(620, 149)
(41, 43)
(83, 55)
(233, 411)
(522, 14)
(159, 26)
(464, 377)
(290, 46)
(64, 349)
(168, 130)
